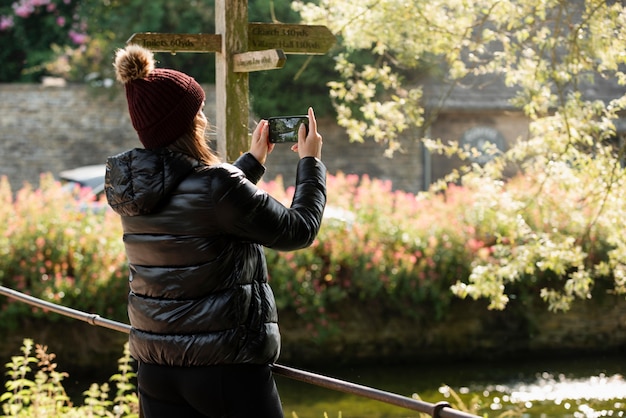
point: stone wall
(53, 129)
(50, 129)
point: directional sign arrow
(292, 39)
(177, 42)
(258, 60)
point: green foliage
(397, 252)
(544, 51)
(29, 29)
(292, 89)
(301, 83)
(53, 246)
(76, 39)
(548, 235)
(567, 233)
(406, 253)
(110, 25)
(42, 395)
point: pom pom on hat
(162, 103)
(133, 63)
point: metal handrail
(438, 410)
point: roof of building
(490, 93)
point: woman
(203, 317)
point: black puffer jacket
(194, 235)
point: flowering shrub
(28, 31)
(400, 252)
(54, 247)
(405, 254)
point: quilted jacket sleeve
(249, 213)
(251, 167)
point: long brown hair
(194, 142)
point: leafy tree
(76, 39)
(546, 52)
(111, 23)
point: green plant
(125, 403)
(43, 394)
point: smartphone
(285, 128)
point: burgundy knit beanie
(162, 103)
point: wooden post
(232, 104)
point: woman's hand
(309, 145)
(260, 146)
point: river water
(589, 386)
(579, 387)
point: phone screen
(285, 128)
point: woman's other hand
(309, 145)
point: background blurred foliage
(76, 40)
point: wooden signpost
(240, 47)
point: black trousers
(222, 391)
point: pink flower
(474, 244)
(23, 10)
(78, 38)
(61, 21)
(6, 22)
